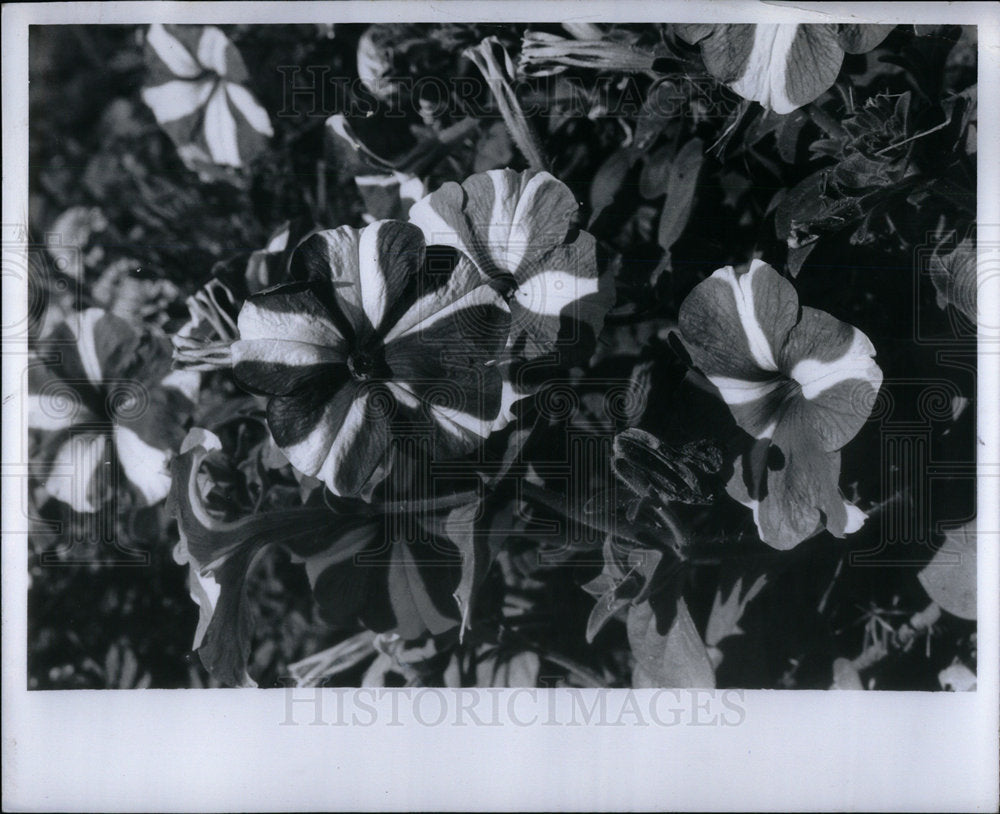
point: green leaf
(681, 184)
(668, 650)
(608, 180)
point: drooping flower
(799, 381)
(494, 63)
(105, 397)
(544, 54)
(371, 344)
(360, 566)
(781, 65)
(516, 227)
(197, 91)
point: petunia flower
(197, 91)
(544, 54)
(799, 381)
(105, 398)
(359, 566)
(372, 344)
(516, 228)
(781, 65)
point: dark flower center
(361, 365)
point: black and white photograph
(624, 368)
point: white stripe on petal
(742, 287)
(815, 377)
(435, 228)
(144, 465)
(251, 109)
(86, 345)
(346, 437)
(765, 76)
(176, 99)
(212, 50)
(549, 292)
(501, 220)
(741, 391)
(370, 276)
(56, 410)
(220, 130)
(173, 54)
(459, 423)
(524, 212)
(77, 464)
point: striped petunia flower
(375, 341)
(781, 65)
(197, 91)
(516, 228)
(106, 401)
(799, 381)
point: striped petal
(514, 227)
(833, 364)
(560, 299)
(145, 465)
(790, 485)
(172, 51)
(249, 108)
(212, 50)
(782, 66)
(734, 326)
(369, 270)
(286, 339)
(336, 435)
(82, 472)
(502, 219)
(177, 99)
(289, 314)
(220, 130)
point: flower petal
(81, 474)
(220, 130)
(501, 219)
(294, 314)
(782, 66)
(172, 52)
(146, 466)
(221, 555)
(734, 326)
(176, 100)
(834, 365)
(369, 269)
(212, 48)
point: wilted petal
(221, 554)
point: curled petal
(221, 555)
